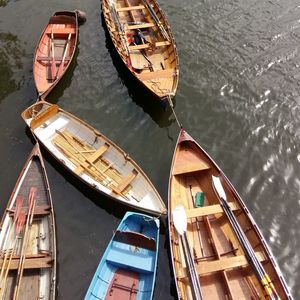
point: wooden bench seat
(207, 267)
(140, 26)
(157, 74)
(125, 182)
(44, 116)
(49, 58)
(31, 263)
(209, 210)
(145, 46)
(60, 31)
(129, 8)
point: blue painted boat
(128, 267)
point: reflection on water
(11, 54)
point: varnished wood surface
(221, 264)
(161, 78)
(60, 25)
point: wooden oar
(17, 222)
(180, 223)
(62, 64)
(31, 202)
(53, 62)
(256, 265)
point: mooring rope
(172, 107)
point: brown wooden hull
(146, 47)
(39, 275)
(48, 69)
(221, 264)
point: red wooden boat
(55, 51)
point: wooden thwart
(222, 264)
(44, 116)
(209, 210)
(31, 263)
(48, 58)
(65, 30)
(123, 184)
(157, 74)
(140, 26)
(145, 46)
(137, 7)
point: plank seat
(49, 58)
(125, 182)
(124, 257)
(129, 8)
(44, 116)
(139, 26)
(31, 263)
(98, 153)
(60, 31)
(222, 264)
(189, 168)
(145, 46)
(157, 74)
(209, 210)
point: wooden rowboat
(217, 255)
(143, 38)
(27, 237)
(128, 266)
(55, 51)
(92, 157)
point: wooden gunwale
(214, 225)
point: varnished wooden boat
(128, 267)
(221, 264)
(27, 237)
(92, 157)
(143, 38)
(55, 51)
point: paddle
(19, 222)
(262, 276)
(62, 64)
(31, 202)
(53, 62)
(180, 223)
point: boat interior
(36, 246)
(150, 47)
(54, 50)
(220, 260)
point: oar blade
(19, 203)
(218, 187)
(179, 219)
(31, 197)
(20, 222)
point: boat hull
(55, 51)
(35, 244)
(93, 158)
(221, 264)
(128, 266)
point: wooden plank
(40, 210)
(190, 167)
(123, 184)
(31, 263)
(139, 26)
(157, 74)
(44, 116)
(209, 210)
(97, 154)
(48, 58)
(65, 30)
(120, 9)
(145, 46)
